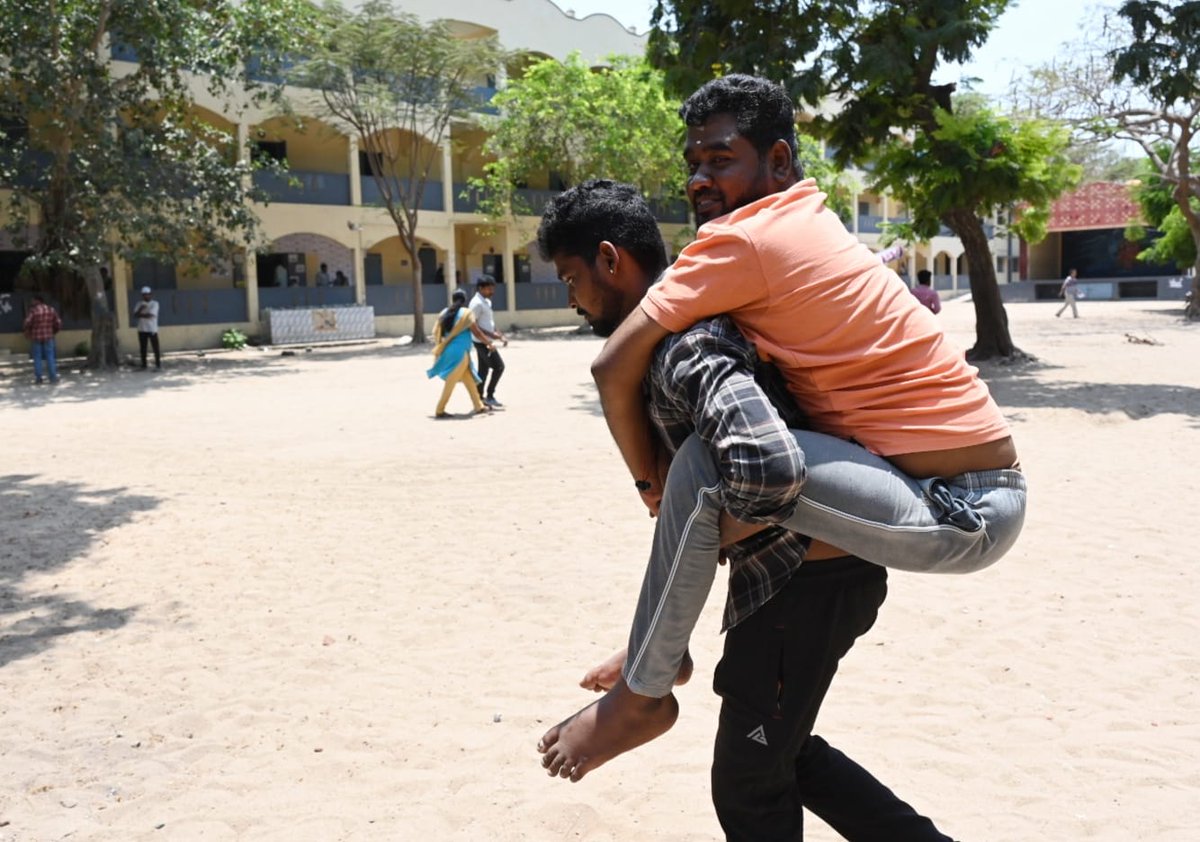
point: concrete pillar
(251, 259)
(448, 183)
(451, 266)
(252, 289)
(854, 213)
(360, 265)
(355, 174)
(510, 271)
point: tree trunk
(992, 338)
(103, 350)
(1192, 310)
(418, 292)
(1183, 200)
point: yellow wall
(314, 148)
(1045, 257)
(469, 160)
(401, 142)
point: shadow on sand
(46, 526)
(1021, 387)
(77, 384)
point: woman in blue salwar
(452, 352)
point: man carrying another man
(787, 624)
(865, 361)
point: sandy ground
(269, 598)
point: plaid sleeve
(709, 372)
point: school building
(1086, 232)
(326, 213)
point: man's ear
(780, 162)
(608, 257)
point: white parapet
(303, 325)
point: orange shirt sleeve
(717, 273)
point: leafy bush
(233, 339)
(82, 348)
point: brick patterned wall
(330, 252)
(1103, 204)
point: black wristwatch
(642, 484)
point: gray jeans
(851, 499)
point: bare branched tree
(397, 84)
(1134, 78)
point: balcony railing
(310, 188)
(541, 296)
(532, 201)
(195, 306)
(483, 97)
(466, 199)
(431, 196)
(397, 299)
(288, 297)
(122, 52)
(868, 223)
(275, 75)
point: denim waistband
(978, 480)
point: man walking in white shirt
(1069, 291)
(146, 314)
(486, 337)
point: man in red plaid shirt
(41, 324)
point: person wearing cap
(146, 314)
(486, 337)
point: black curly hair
(762, 109)
(577, 220)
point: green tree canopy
(1155, 196)
(105, 158)
(578, 123)
(1135, 77)
(981, 162)
(396, 84)
(876, 61)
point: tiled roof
(1102, 204)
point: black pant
(488, 361)
(777, 666)
(151, 338)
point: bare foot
(615, 724)
(605, 675)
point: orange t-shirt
(862, 356)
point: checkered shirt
(42, 322)
(708, 380)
